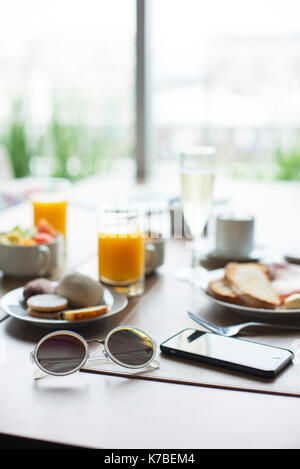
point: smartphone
(227, 352)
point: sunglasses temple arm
(38, 374)
(153, 366)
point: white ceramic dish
(12, 303)
(32, 261)
(262, 313)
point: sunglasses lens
(60, 354)
(131, 347)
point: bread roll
(81, 290)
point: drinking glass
(197, 175)
(49, 198)
(121, 249)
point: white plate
(12, 303)
(278, 313)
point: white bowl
(32, 261)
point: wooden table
(110, 412)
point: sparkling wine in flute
(197, 174)
(196, 194)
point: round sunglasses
(61, 353)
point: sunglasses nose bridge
(100, 341)
(94, 350)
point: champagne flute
(197, 174)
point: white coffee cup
(234, 235)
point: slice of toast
(252, 285)
(222, 290)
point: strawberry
(43, 238)
(45, 227)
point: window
(67, 84)
(227, 73)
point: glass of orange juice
(121, 249)
(49, 198)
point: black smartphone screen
(232, 353)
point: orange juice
(121, 257)
(54, 212)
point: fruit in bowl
(37, 251)
(44, 233)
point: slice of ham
(285, 280)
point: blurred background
(222, 73)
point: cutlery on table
(3, 315)
(230, 331)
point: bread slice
(71, 314)
(47, 302)
(252, 285)
(222, 290)
(43, 314)
(84, 313)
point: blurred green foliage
(16, 142)
(74, 151)
(251, 170)
(61, 149)
(282, 164)
(288, 164)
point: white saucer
(255, 255)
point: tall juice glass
(121, 249)
(50, 200)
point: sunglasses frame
(111, 356)
(104, 342)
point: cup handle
(45, 259)
(150, 253)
